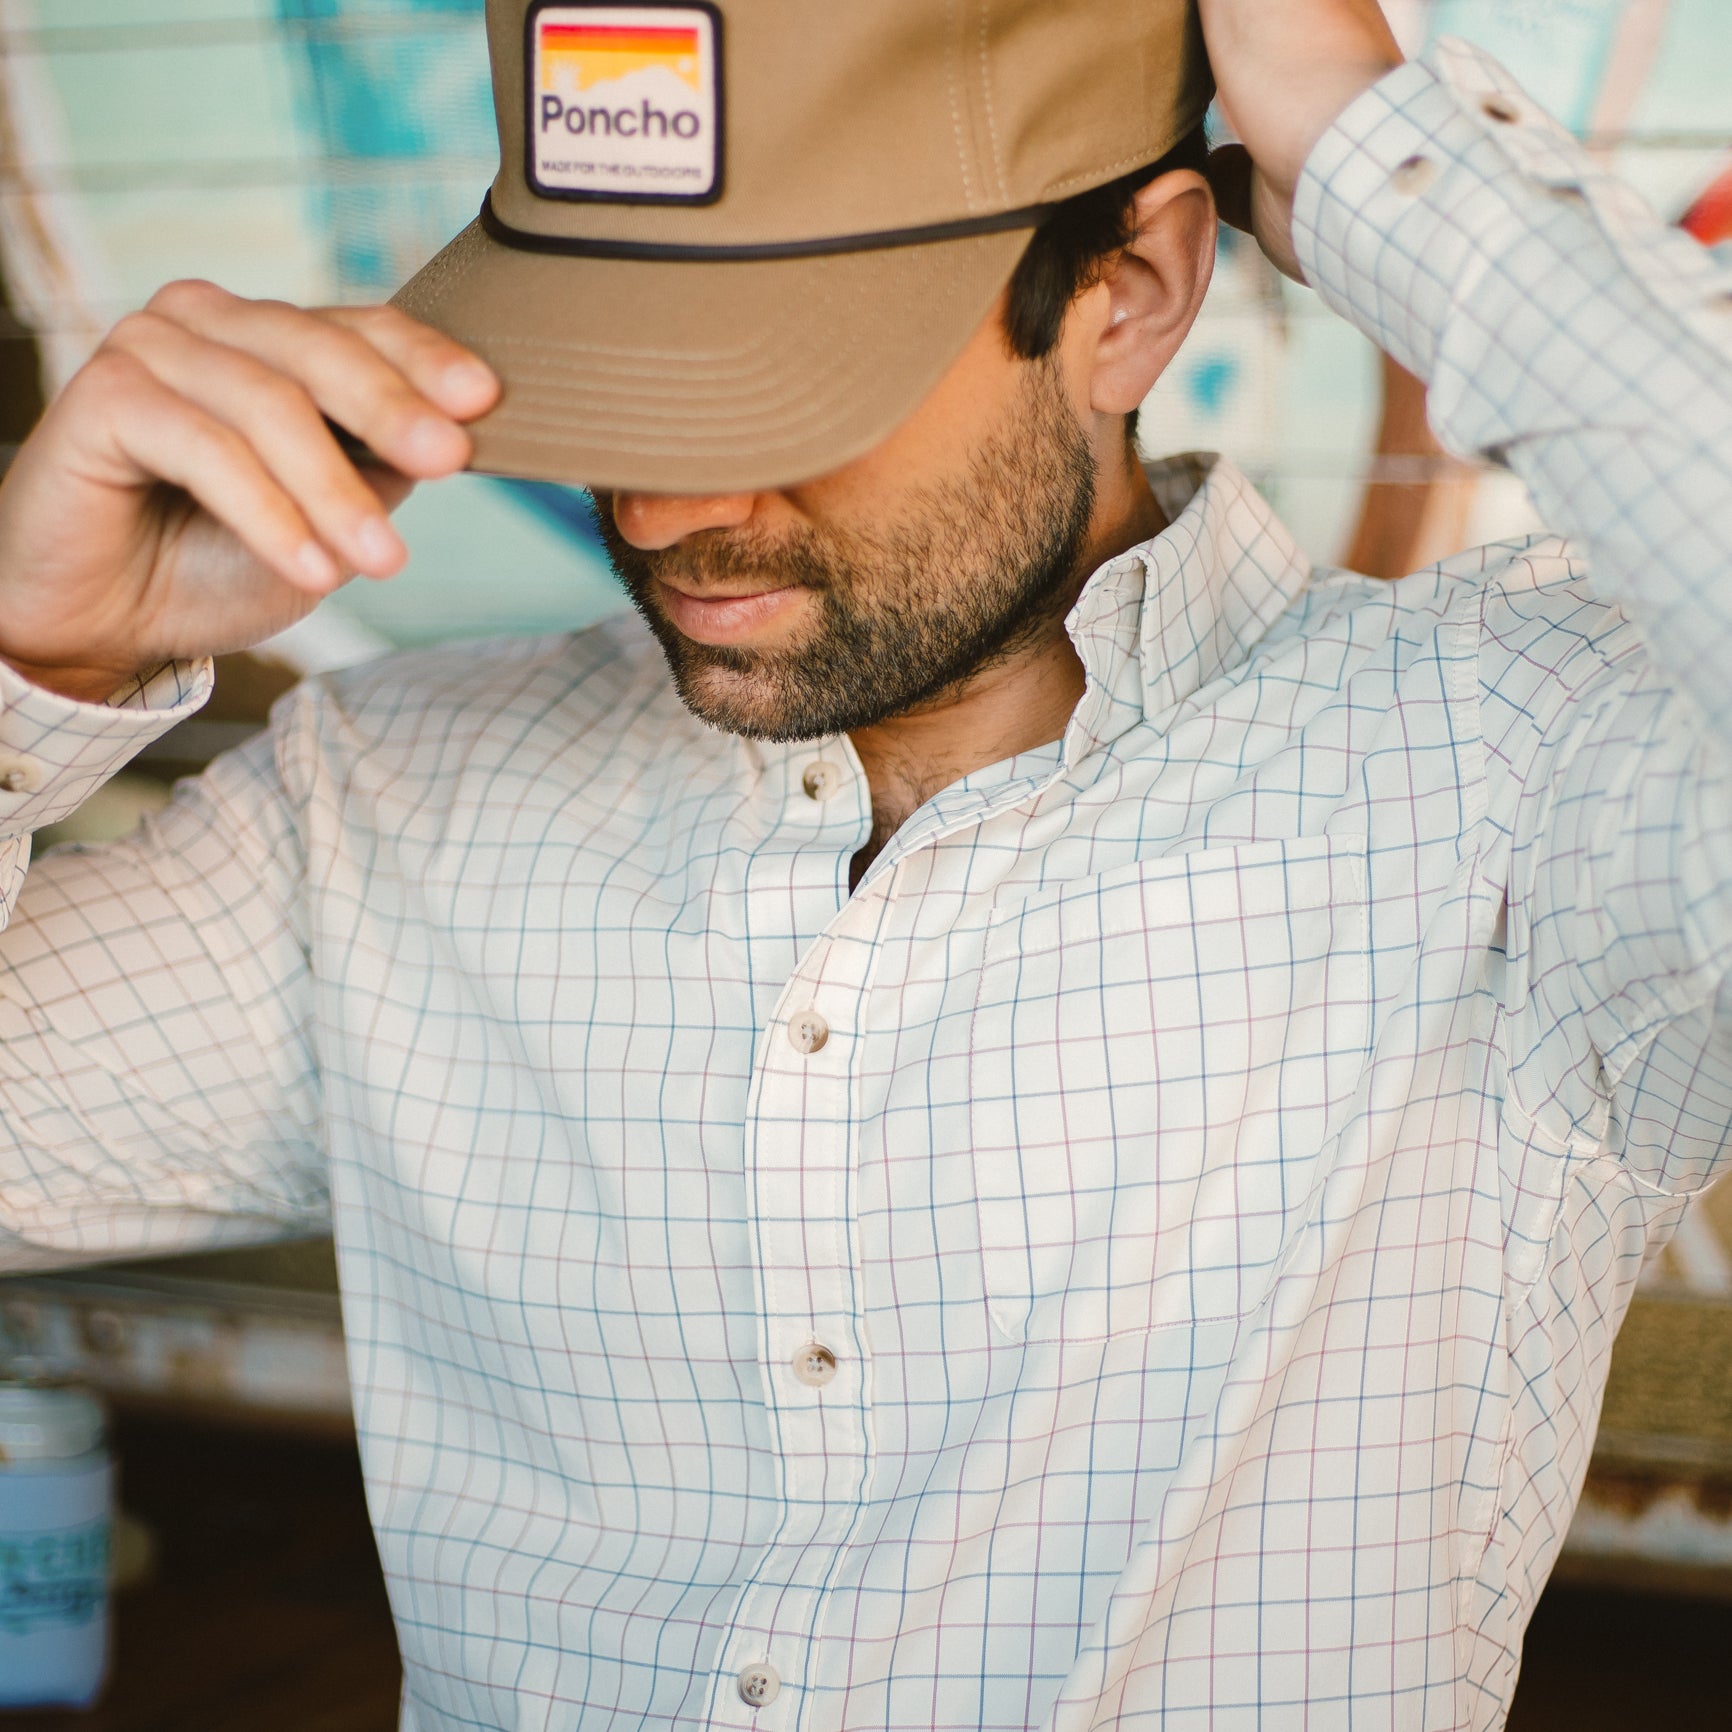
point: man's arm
(183, 495)
(1561, 327)
(1563, 330)
(158, 1091)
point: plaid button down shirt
(1212, 1153)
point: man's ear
(1154, 290)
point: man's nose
(656, 520)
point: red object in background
(1710, 217)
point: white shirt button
(759, 1684)
(815, 1365)
(18, 774)
(1500, 109)
(1415, 175)
(807, 1031)
(821, 780)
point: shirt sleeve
(55, 751)
(1565, 331)
(158, 1090)
(1561, 327)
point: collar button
(821, 779)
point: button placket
(801, 1156)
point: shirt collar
(1161, 621)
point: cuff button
(19, 775)
(1415, 176)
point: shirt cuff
(56, 751)
(1444, 202)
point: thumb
(1229, 171)
(1250, 204)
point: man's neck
(1017, 704)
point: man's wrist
(1397, 201)
(57, 746)
(83, 685)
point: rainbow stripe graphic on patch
(624, 102)
(591, 54)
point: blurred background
(320, 150)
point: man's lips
(727, 619)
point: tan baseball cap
(733, 245)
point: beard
(966, 574)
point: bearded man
(1027, 1111)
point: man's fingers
(160, 433)
(345, 374)
(1248, 203)
(1285, 70)
(282, 425)
(447, 373)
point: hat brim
(705, 376)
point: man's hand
(1285, 70)
(185, 494)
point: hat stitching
(684, 437)
(621, 352)
(760, 359)
(774, 434)
(991, 112)
(681, 371)
(677, 440)
(1105, 171)
(952, 82)
(797, 420)
(767, 394)
(683, 434)
(729, 410)
(778, 397)
(698, 394)
(629, 364)
(735, 385)
(685, 358)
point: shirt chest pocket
(1156, 1059)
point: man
(1056, 1130)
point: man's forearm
(157, 1088)
(1560, 326)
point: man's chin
(751, 703)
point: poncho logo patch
(624, 102)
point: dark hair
(1073, 247)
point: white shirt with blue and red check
(1149, 1256)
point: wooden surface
(267, 1612)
